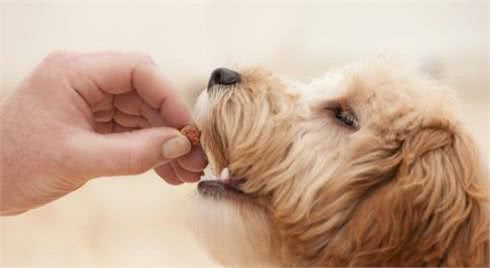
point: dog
(366, 166)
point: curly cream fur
(406, 189)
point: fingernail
(176, 147)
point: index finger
(159, 94)
(118, 73)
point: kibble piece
(192, 133)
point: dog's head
(366, 166)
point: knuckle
(58, 59)
(57, 55)
(144, 57)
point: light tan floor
(139, 221)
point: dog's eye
(346, 118)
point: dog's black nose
(223, 76)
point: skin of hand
(81, 116)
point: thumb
(132, 152)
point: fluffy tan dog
(364, 167)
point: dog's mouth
(218, 187)
(223, 185)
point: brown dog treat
(192, 133)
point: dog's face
(365, 166)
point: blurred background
(140, 221)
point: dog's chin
(231, 227)
(230, 224)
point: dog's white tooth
(225, 174)
(208, 177)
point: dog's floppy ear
(444, 197)
(415, 200)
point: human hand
(81, 116)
